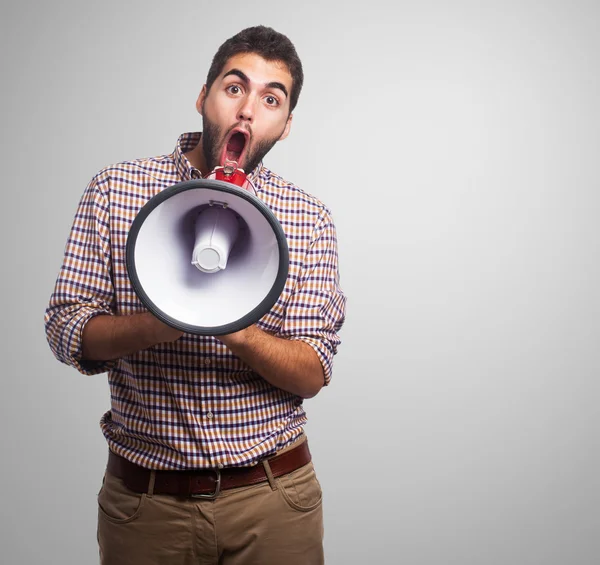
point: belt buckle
(215, 493)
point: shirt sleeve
(317, 308)
(84, 286)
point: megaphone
(207, 257)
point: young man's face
(246, 111)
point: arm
(81, 326)
(111, 337)
(290, 365)
(299, 360)
(84, 287)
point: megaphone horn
(207, 257)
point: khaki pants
(279, 522)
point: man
(208, 461)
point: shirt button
(207, 361)
(209, 415)
(220, 465)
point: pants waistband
(206, 483)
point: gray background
(457, 145)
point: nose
(246, 110)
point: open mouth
(235, 147)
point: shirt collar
(186, 171)
(185, 143)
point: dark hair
(270, 45)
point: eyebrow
(245, 79)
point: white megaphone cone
(207, 257)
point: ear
(200, 100)
(286, 130)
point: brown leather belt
(205, 483)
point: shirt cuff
(324, 354)
(74, 332)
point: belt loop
(151, 484)
(269, 474)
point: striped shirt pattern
(192, 403)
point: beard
(213, 138)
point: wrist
(237, 338)
(155, 331)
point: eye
(271, 101)
(234, 89)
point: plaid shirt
(193, 403)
